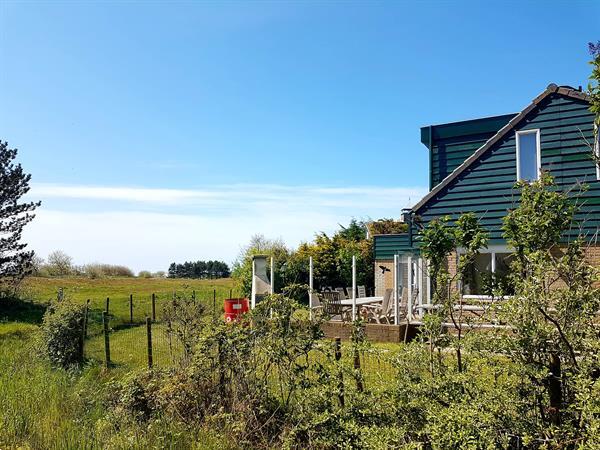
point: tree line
(199, 269)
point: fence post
(149, 333)
(130, 308)
(85, 318)
(214, 302)
(153, 307)
(83, 330)
(357, 372)
(106, 340)
(194, 295)
(230, 292)
(107, 303)
(338, 356)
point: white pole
(253, 295)
(353, 288)
(310, 284)
(272, 277)
(395, 290)
(410, 286)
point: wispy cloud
(147, 228)
(243, 195)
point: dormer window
(529, 160)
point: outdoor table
(360, 301)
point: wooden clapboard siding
(486, 187)
(451, 144)
(385, 246)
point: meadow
(41, 407)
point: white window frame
(538, 152)
(491, 250)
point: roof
(551, 89)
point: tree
(552, 314)
(15, 261)
(59, 264)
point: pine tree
(15, 261)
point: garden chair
(342, 293)
(362, 291)
(332, 306)
(384, 311)
(349, 291)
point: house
(473, 167)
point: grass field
(80, 289)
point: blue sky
(168, 131)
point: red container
(235, 307)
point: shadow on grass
(18, 310)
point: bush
(97, 270)
(61, 334)
(144, 274)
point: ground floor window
(488, 274)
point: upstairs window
(529, 159)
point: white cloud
(147, 228)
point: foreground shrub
(61, 334)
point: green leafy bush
(61, 334)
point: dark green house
(474, 166)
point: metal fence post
(85, 318)
(149, 334)
(106, 340)
(153, 307)
(130, 308)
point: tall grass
(45, 408)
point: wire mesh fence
(147, 343)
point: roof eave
(551, 89)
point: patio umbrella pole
(353, 288)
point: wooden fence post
(194, 295)
(106, 340)
(149, 333)
(130, 308)
(357, 372)
(107, 303)
(153, 307)
(338, 356)
(230, 292)
(214, 302)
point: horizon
(159, 133)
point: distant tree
(15, 262)
(59, 263)
(199, 269)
